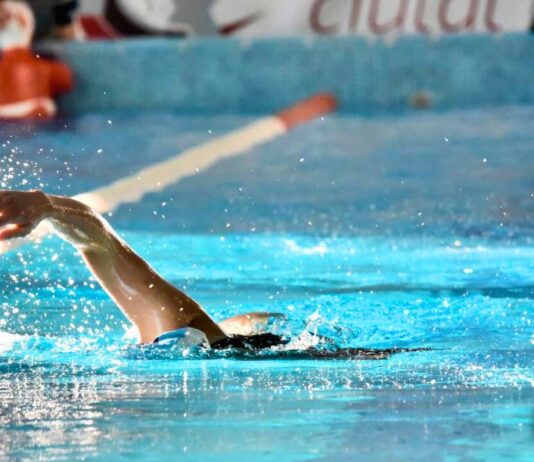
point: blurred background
(222, 58)
(278, 18)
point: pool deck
(214, 76)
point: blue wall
(228, 76)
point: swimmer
(159, 310)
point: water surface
(402, 231)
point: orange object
(28, 83)
(307, 110)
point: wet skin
(151, 303)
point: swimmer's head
(186, 337)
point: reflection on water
(218, 410)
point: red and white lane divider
(191, 161)
(160, 175)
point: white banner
(279, 18)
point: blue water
(410, 230)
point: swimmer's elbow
(84, 238)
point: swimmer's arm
(151, 303)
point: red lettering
(467, 23)
(490, 17)
(355, 14)
(315, 19)
(420, 17)
(396, 23)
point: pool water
(407, 230)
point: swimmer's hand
(21, 212)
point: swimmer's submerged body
(159, 310)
